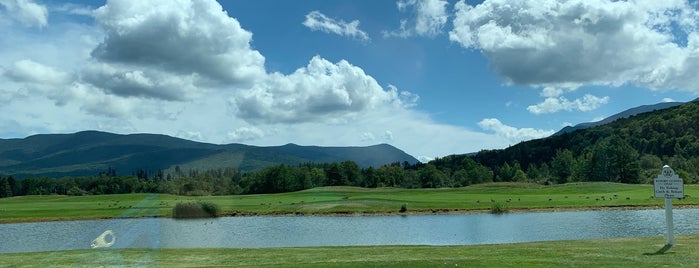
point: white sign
(668, 184)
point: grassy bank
(346, 200)
(626, 252)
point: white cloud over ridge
(27, 12)
(512, 134)
(600, 42)
(317, 21)
(244, 134)
(430, 16)
(555, 104)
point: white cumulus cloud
(555, 104)
(513, 134)
(600, 42)
(243, 134)
(429, 19)
(33, 72)
(388, 135)
(321, 91)
(317, 21)
(25, 11)
(150, 47)
(367, 136)
(668, 100)
(564, 45)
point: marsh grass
(499, 208)
(199, 209)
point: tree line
(612, 159)
(272, 179)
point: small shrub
(76, 191)
(198, 209)
(499, 208)
(403, 208)
(210, 208)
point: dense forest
(274, 179)
(630, 150)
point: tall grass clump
(199, 209)
(499, 208)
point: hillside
(628, 149)
(625, 114)
(91, 152)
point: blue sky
(430, 77)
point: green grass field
(636, 252)
(624, 252)
(346, 200)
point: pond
(302, 231)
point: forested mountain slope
(629, 149)
(625, 114)
(91, 152)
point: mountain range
(625, 114)
(91, 152)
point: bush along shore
(199, 209)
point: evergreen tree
(5, 189)
(562, 165)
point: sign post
(668, 185)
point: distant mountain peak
(625, 114)
(90, 152)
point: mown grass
(346, 200)
(623, 252)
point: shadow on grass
(660, 251)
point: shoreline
(441, 211)
(605, 252)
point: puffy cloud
(582, 42)
(190, 135)
(367, 136)
(245, 134)
(151, 47)
(132, 81)
(31, 78)
(388, 135)
(74, 9)
(668, 100)
(317, 21)
(555, 104)
(28, 71)
(321, 91)
(430, 18)
(513, 134)
(27, 12)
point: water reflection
(256, 232)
